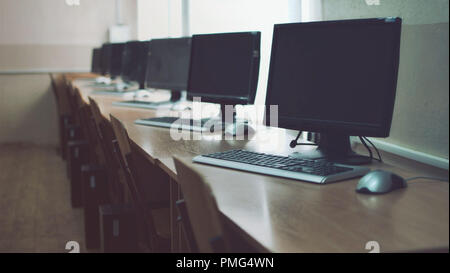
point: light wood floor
(35, 210)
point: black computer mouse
(379, 181)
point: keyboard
(310, 170)
(143, 104)
(183, 124)
(114, 92)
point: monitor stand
(235, 127)
(334, 147)
(175, 103)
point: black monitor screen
(335, 76)
(168, 63)
(96, 64)
(134, 61)
(116, 59)
(106, 58)
(225, 67)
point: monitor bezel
(96, 65)
(254, 73)
(327, 126)
(116, 71)
(123, 75)
(106, 59)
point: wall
(41, 36)
(28, 110)
(159, 19)
(210, 16)
(420, 120)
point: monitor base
(239, 128)
(335, 148)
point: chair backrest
(106, 138)
(54, 79)
(127, 165)
(60, 90)
(87, 124)
(202, 209)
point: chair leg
(76, 157)
(93, 194)
(186, 223)
(118, 226)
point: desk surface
(280, 215)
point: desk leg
(174, 226)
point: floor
(35, 210)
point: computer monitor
(168, 65)
(96, 63)
(106, 58)
(338, 78)
(115, 63)
(134, 62)
(224, 67)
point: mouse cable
(426, 177)
(294, 142)
(376, 150)
(367, 147)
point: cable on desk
(294, 142)
(367, 147)
(376, 150)
(426, 177)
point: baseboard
(425, 158)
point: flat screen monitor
(134, 62)
(224, 67)
(338, 78)
(116, 59)
(96, 62)
(168, 63)
(106, 58)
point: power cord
(367, 147)
(376, 150)
(294, 142)
(363, 141)
(426, 177)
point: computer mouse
(379, 181)
(142, 94)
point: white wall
(41, 36)
(209, 16)
(37, 29)
(159, 19)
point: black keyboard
(312, 170)
(143, 104)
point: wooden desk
(280, 215)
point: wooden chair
(203, 215)
(78, 150)
(65, 118)
(119, 207)
(94, 179)
(155, 240)
(105, 137)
